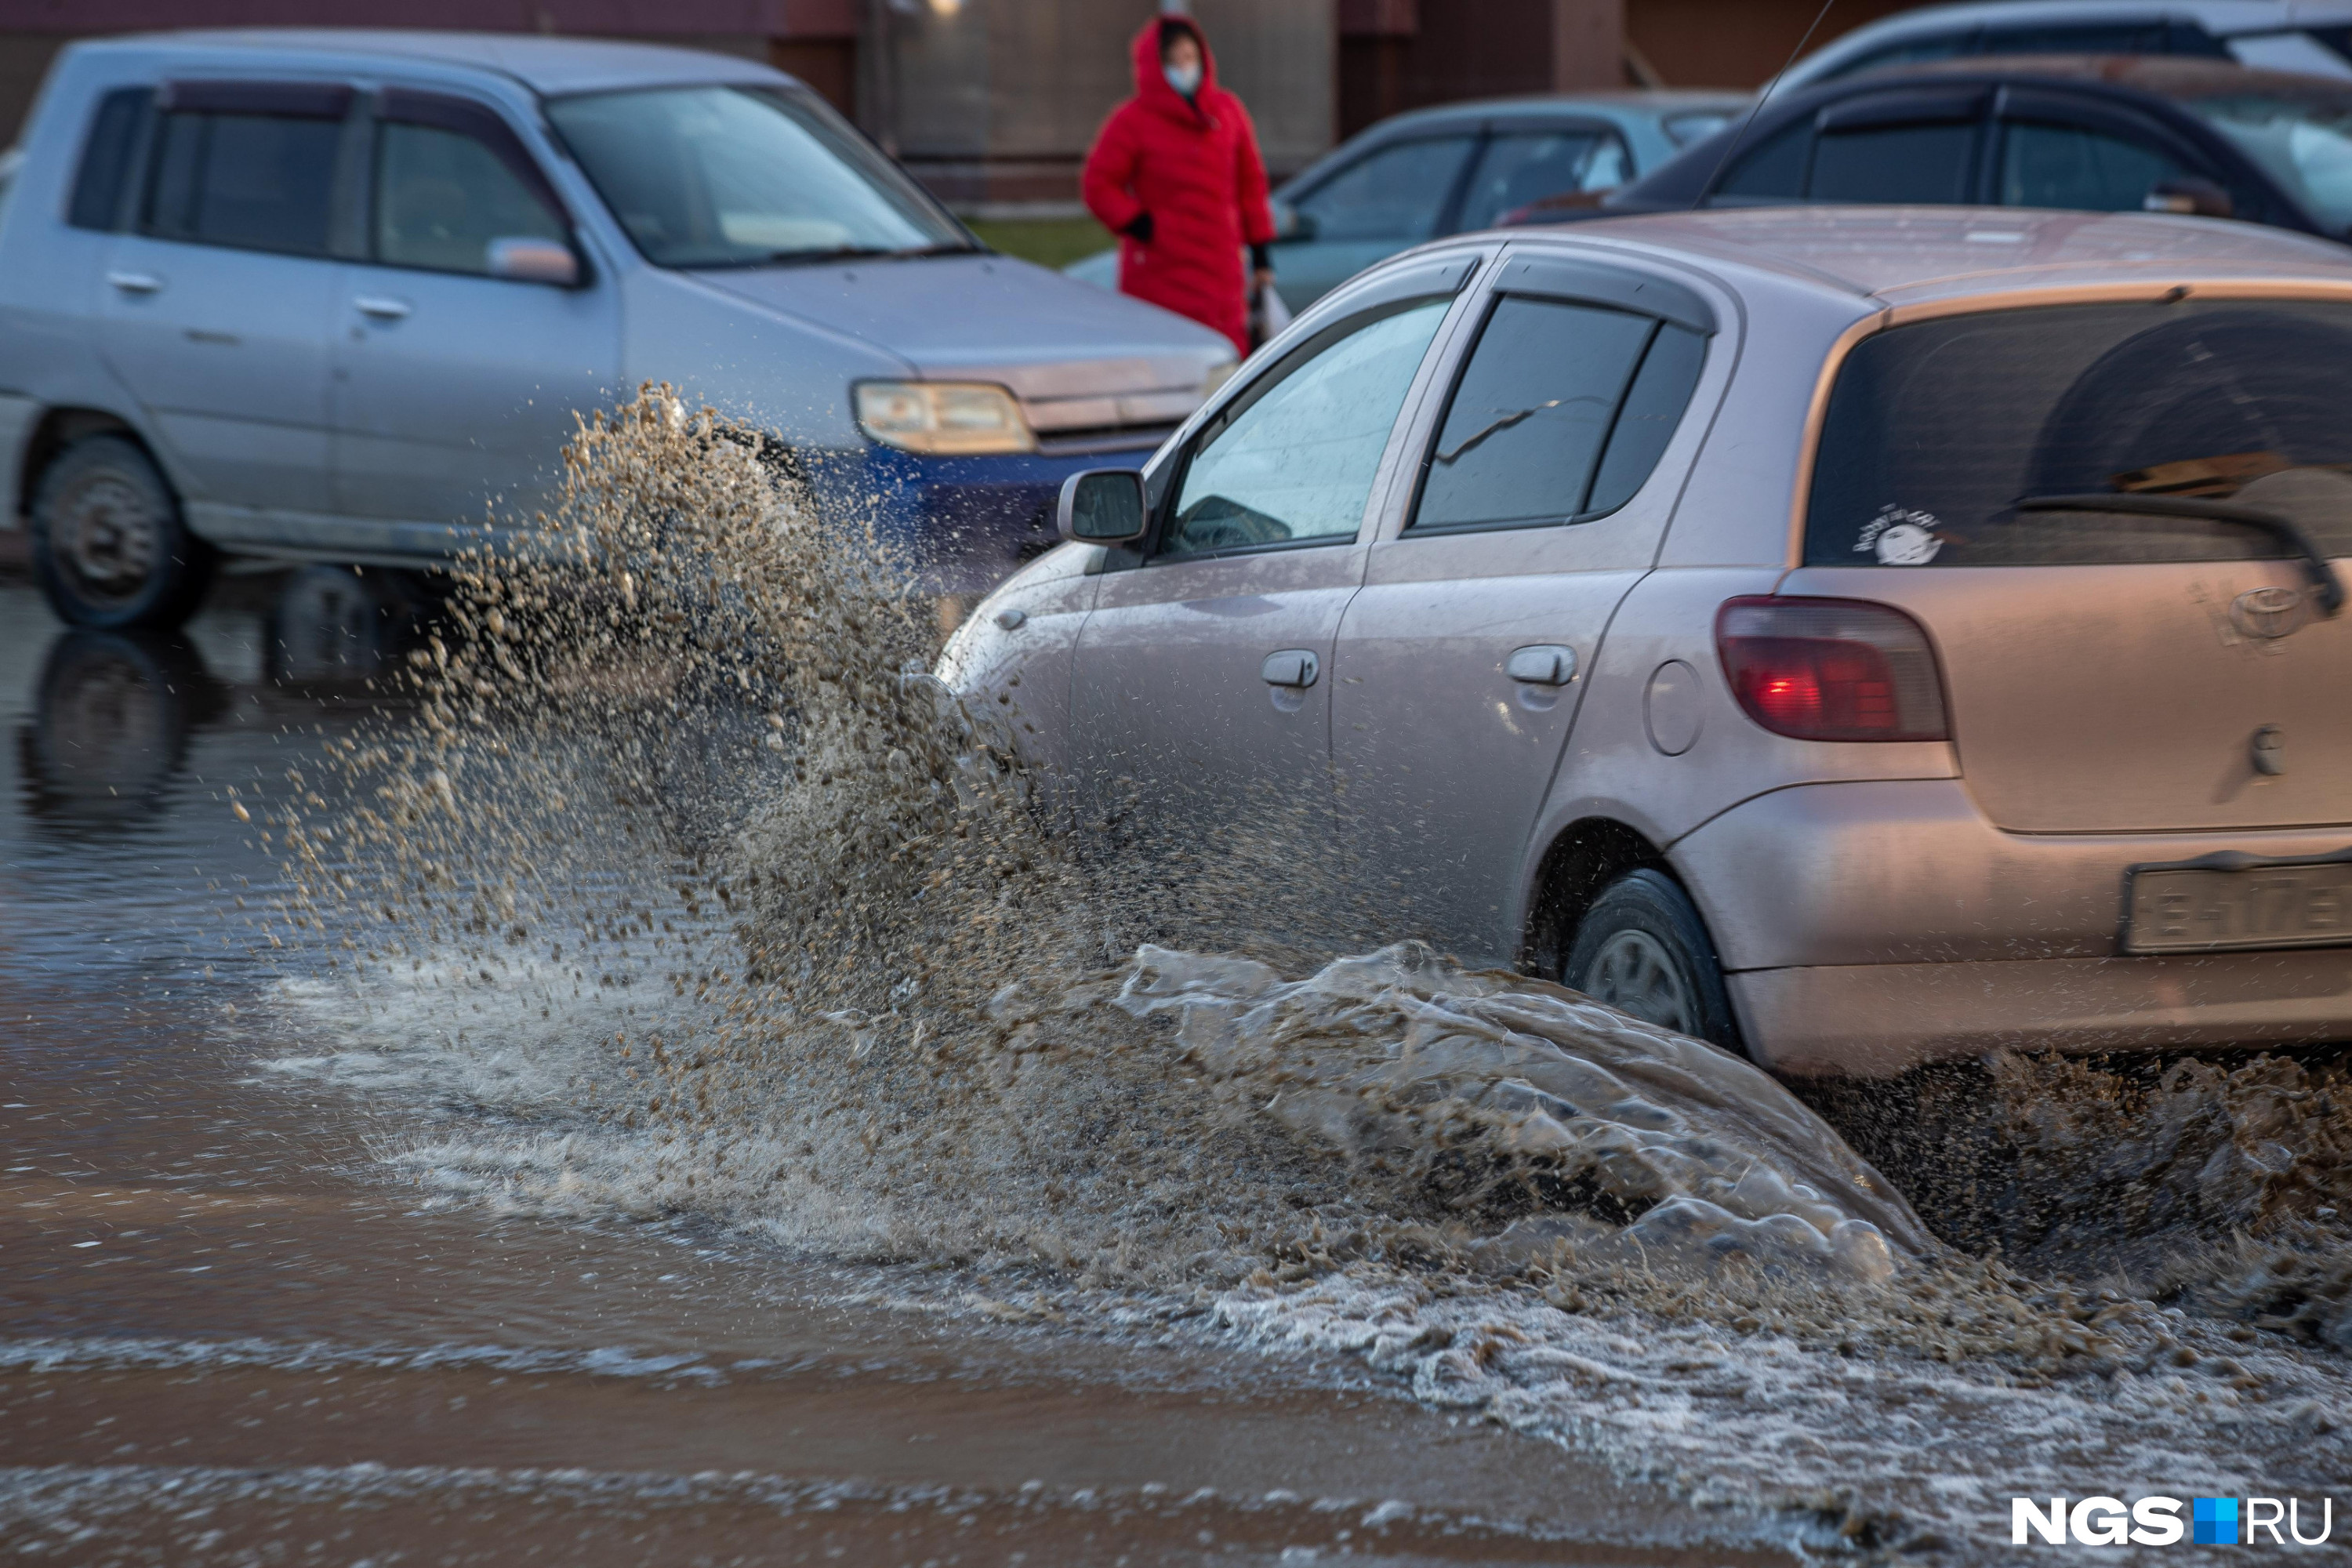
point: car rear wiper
(2326, 585)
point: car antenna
(1757, 107)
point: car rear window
(1523, 166)
(1935, 431)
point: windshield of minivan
(2304, 141)
(1936, 430)
(735, 176)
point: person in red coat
(1176, 175)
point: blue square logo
(2214, 1520)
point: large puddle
(672, 894)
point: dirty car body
(1833, 631)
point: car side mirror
(2192, 196)
(1101, 506)
(1290, 224)
(531, 260)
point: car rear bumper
(1872, 925)
(1873, 1020)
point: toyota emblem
(2268, 612)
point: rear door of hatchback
(2117, 522)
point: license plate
(2203, 910)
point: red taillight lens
(1831, 670)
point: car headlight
(943, 418)
(1219, 373)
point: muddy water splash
(1520, 1090)
(684, 722)
(696, 896)
(2223, 1184)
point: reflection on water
(335, 625)
(217, 1348)
(110, 726)
(113, 713)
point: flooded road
(671, 1088)
(231, 1332)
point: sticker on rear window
(1900, 537)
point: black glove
(1139, 228)
(1260, 259)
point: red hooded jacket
(1193, 166)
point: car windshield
(1936, 430)
(2302, 139)
(736, 176)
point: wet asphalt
(229, 1336)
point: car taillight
(1831, 669)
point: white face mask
(1185, 79)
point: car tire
(110, 546)
(1642, 950)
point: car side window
(1292, 459)
(1518, 167)
(2072, 166)
(442, 195)
(1928, 163)
(258, 181)
(106, 155)
(1775, 169)
(1559, 414)
(1397, 191)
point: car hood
(1053, 341)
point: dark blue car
(2099, 133)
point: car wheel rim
(1634, 974)
(108, 537)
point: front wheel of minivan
(1642, 950)
(110, 546)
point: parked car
(2096, 134)
(1434, 171)
(2303, 37)
(1859, 635)
(332, 294)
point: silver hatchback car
(1860, 636)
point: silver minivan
(332, 294)
(1863, 635)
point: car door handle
(1545, 664)
(383, 306)
(1295, 666)
(135, 282)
